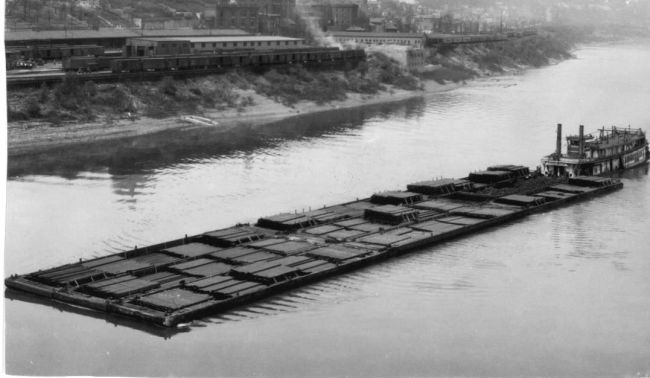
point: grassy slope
(76, 101)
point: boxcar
(154, 64)
(200, 62)
(183, 63)
(80, 64)
(126, 65)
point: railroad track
(37, 79)
(26, 80)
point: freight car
(462, 39)
(236, 59)
(87, 63)
(57, 52)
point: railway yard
(42, 59)
(106, 68)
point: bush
(69, 87)
(119, 99)
(15, 115)
(167, 86)
(54, 118)
(33, 108)
(44, 93)
(247, 101)
(89, 89)
(445, 74)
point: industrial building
(205, 45)
(335, 16)
(414, 40)
(254, 16)
(156, 46)
(109, 38)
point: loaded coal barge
(191, 277)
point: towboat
(606, 150)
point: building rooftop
(249, 38)
(375, 35)
(47, 35)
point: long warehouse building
(147, 46)
(109, 38)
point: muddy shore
(233, 103)
(29, 137)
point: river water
(562, 293)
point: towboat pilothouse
(604, 151)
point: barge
(194, 276)
(606, 151)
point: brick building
(253, 16)
(335, 16)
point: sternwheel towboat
(606, 150)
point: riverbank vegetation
(466, 62)
(75, 101)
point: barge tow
(184, 279)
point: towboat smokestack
(582, 141)
(558, 143)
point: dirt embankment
(75, 112)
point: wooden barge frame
(184, 279)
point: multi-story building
(335, 16)
(254, 16)
(244, 17)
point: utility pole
(501, 22)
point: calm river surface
(563, 293)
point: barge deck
(185, 279)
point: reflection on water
(561, 293)
(169, 148)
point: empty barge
(184, 279)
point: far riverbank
(74, 113)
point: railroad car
(86, 63)
(234, 59)
(126, 65)
(60, 51)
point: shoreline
(29, 137)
